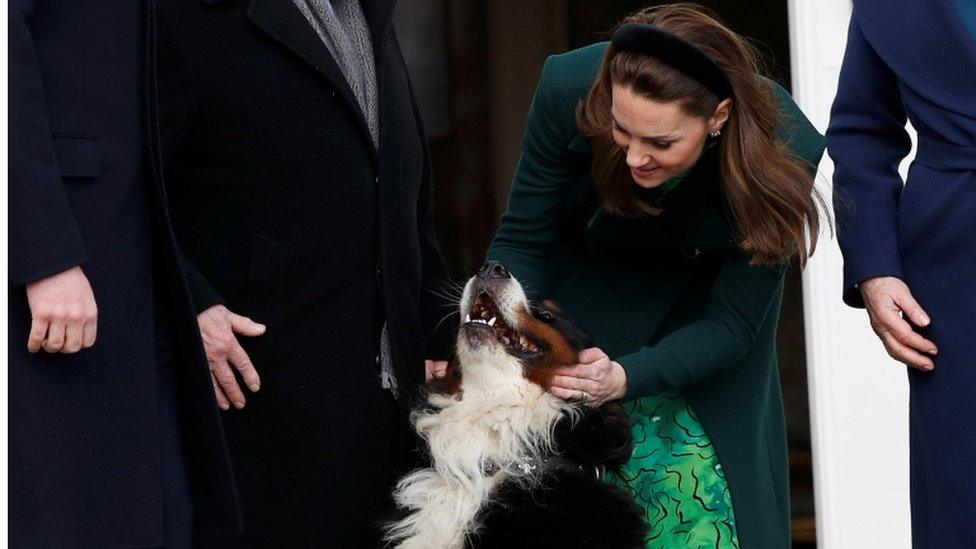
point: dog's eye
(546, 316)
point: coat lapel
(282, 21)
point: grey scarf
(341, 25)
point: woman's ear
(721, 115)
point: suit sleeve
(867, 140)
(44, 235)
(529, 226)
(178, 108)
(693, 345)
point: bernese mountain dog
(511, 464)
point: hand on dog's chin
(595, 380)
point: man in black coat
(299, 185)
(115, 438)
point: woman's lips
(644, 172)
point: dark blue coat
(915, 60)
(85, 429)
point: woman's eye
(662, 146)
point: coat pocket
(79, 156)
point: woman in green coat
(663, 188)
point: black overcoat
(85, 465)
(293, 218)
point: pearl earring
(715, 134)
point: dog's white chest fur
(475, 443)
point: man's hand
(435, 368)
(218, 326)
(889, 302)
(63, 311)
(595, 380)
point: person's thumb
(906, 302)
(592, 354)
(245, 326)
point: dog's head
(503, 334)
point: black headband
(676, 52)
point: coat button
(690, 253)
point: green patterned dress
(675, 475)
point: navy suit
(95, 454)
(916, 60)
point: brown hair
(770, 191)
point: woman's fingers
(222, 400)
(578, 384)
(240, 360)
(595, 371)
(590, 355)
(228, 383)
(55, 337)
(577, 396)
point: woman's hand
(595, 380)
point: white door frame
(858, 396)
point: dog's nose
(493, 269)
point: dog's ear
(602, 436)
(450, 384)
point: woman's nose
(637, 157)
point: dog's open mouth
(484, 311)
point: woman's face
(660, 140)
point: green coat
(671, 298)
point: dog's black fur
(570, 509)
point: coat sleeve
(44, 235)
(529, 226)
(436, 310)
(867, 140)
(178, 108)
(439, 328)
(694, 345)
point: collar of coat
(284, 22)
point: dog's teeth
(467, 318)
(492, 321)
(522, 341)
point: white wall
(858, 396)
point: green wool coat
(670, 297)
